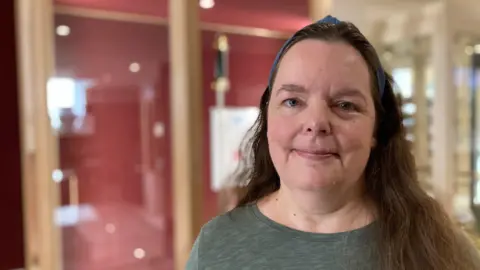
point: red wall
(11, 227)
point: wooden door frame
(35, 57)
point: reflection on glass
(476, 198)
(408, 122)
(409, 108)
(63, 30)
(404, 79)
(66, 101)
(430, 85)
(206, 4)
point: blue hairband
(331, 20)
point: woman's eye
(347, 106)
(291, 102)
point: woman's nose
(317, 120)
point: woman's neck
(331, 211)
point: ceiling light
(139, 253)
(134, 67)
(63, 30)
(207, 4)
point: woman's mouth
(315, 154)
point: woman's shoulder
(222, 236)
(227, 223)
(221, 239)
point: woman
(332, 182)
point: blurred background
(121, 120)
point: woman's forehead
(320, 64)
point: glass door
(408, 62)
(96, 116)
(108, 103)
(475, 135)
(464, 129)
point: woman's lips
(315, 155)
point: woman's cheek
(281, 129)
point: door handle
(59, 176)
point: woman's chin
(317, 183)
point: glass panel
(463, 88)
(109, 103)
(408, 62)
(475, 138)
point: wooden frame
(149, 19)
(39, 151)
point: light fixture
(57, 176)
(207, 4)
(139, 253)
(110, 228)
(158, 130)
(63, 30)
(134, 67)
(476, 49)
(61, 93)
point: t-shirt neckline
(359, 235)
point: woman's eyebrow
(350, 92)
(292, 88)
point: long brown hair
(414, 230)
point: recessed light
(207, 4)
(63, 30)
(139, 253)
(134, 67)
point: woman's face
(321, 116)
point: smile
(315, 155)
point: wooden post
(186, 114)
(39, 143)
(318, 9)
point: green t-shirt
(246, 239)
